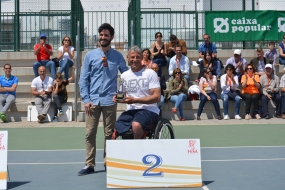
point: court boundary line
(282, 146)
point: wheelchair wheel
(164, 130)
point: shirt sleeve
(171, 68)
(214, 47)
(84, 81)
(186, 65)
(123, 67)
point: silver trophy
(120, 88)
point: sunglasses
(67, 40)
(250, 68)
(178, 73)
(158, 36)
(208, 72)
(43, 38)
(104, 60)
(8, 68)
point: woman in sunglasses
(178, 88)
(250, 83)
(229, 84)
(158, 51)
(65, 55)
(146, 60)
(207, 85)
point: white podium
(3, 159)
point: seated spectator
(60, 95)
(250, 83)
(282, 89)
(271, 54)
(210, 63)
(207, 85)
(270, 90)
(42, 90)
(282, 52)
(43, 51)
(229, 85)
(142, 95)
(161, 79)
(8, 86)
(171, 47)
(65, 55)
(179, 61)
(178, 89)
(146, 60)
(158, 51)
(259, 62)
(207, 45)
(238, 62)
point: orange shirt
(43, 54)
(250, 88)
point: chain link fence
(57, 18)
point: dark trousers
(276, 98)
(283, 103)
(56, 103)
(214, 100)
(251, 99)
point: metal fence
(23, 20)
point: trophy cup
(120, 91)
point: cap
(268, 66)
(43, 35)
(237, 51)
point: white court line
(205, 187)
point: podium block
(3, 159)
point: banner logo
(2, 147)
(281, 27)
(219, 23)
(192, 149)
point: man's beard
(107, 43)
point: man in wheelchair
(142, 93)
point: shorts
(144, 117)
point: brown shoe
(283, 116)
(41, 118)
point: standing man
(238, 62)
(43, 51)
(98, 84)
(259, 62)
(142, 95)
(171, 47)
(270, 90)
(179, 61)
(8, 85)
(42, 90)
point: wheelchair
(161, 130)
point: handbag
(56, 61)
(234, 93)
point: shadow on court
(14, 184)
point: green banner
(245, 25)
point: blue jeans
(64, 66)
(177, 100)
(160, 62)
(225, 98)
(161, 103)
(47, 63)
(281, 61)
(214, 100)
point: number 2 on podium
(148, 173)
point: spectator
(171, 47)
(229, 85)
(207, 85)
(98, 84)
(250, 83)
(259, 62)
(179, 61)
(282, 52)
(43, 51)
(161, 79)
(65, 55)
(207, 45)
(60, 95)
(209, 62)
(270, 90)
(146, 60)
(282, 89)
(238, 62)
(142, 95)
(178, 89)
(42, 90)
(158, 51)
(8, 86)
(271, 53)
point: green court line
(209, 135)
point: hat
(237, 51)
(268, 66)
(43, 35)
